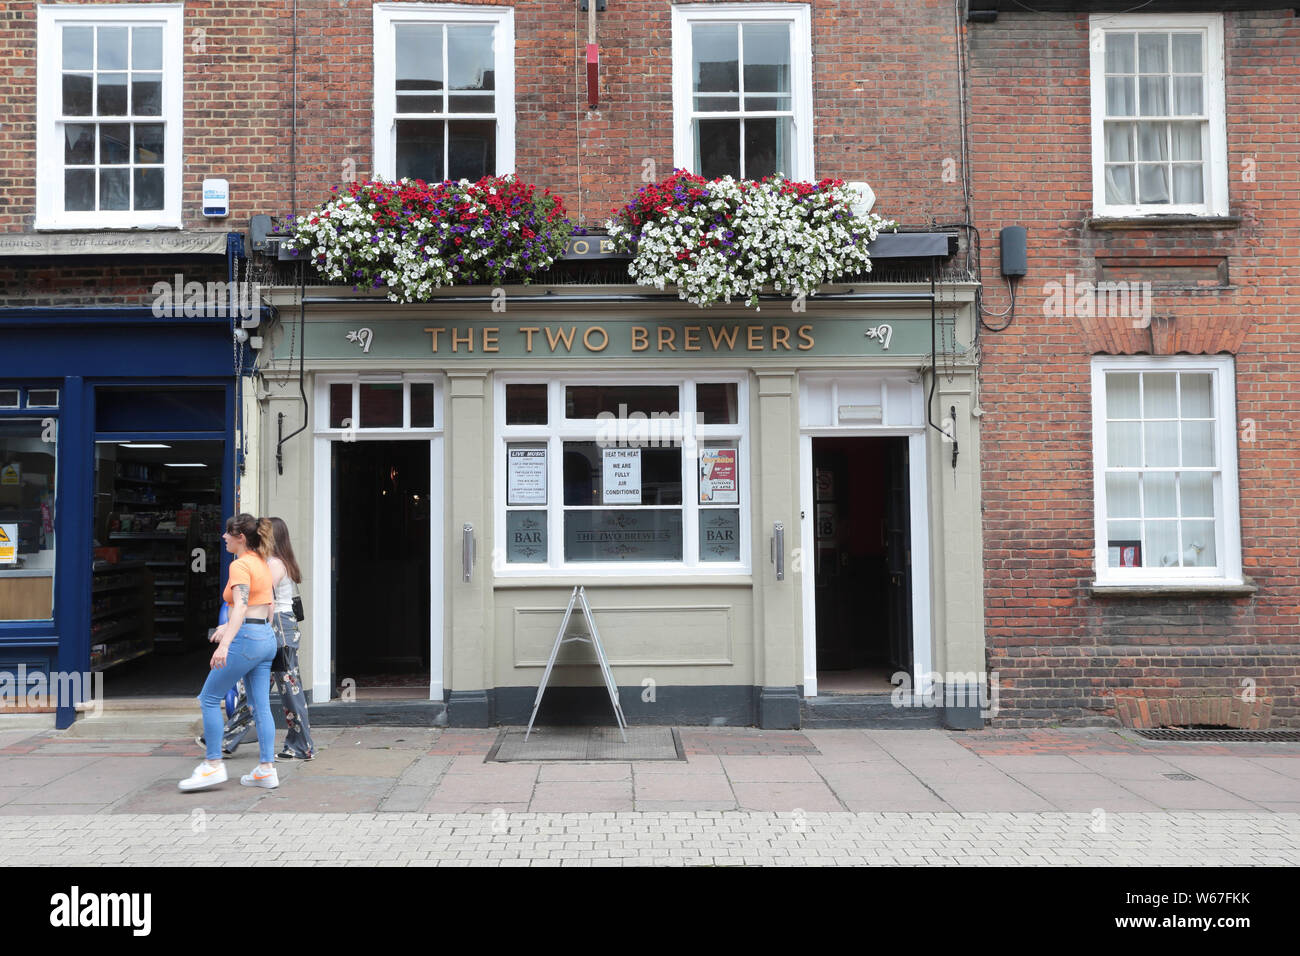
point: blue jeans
(248, 657)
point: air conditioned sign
(8, 544)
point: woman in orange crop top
(245, 648)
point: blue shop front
(117, 466)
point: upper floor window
(108, 118)
(444, 92)
(742, 80)
(1164, 445)
(1158, 127)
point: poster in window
(1125, 554)
(8, 543)
(526, 475)
(719, 477)
(622, 474)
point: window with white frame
(742, 81)
(598, 472)
(1159, 137)
(444, 91)
(1164, 444)
(379, 402)
(109, 89)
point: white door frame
(322, 500)
(918, 531)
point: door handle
(467, 551)
(778, 549)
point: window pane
(417, 103)
(1187, 96)
(1159, 396)
(470, 64)
(1159, 496)
(1197, 494)
(526, 537)
(27, 514)
(1198, 545)
(79, 189)
(757, 103)
(586, 467)
(148, 143)
(1153, 95)
(718, 104)
(1162, 544)
(115, 188)
(1188, 183)
(1186, 140)
(471, 103)
(1195, 390)
(78, 144)
(111, 97)
(719, 475)
(146, 48)
(1187, 53)
(148, 188)
(146, 96)
(1119, 184)
(1119, 142)
(526, 404)
(340, 405)
(715, 58)
(619, 401)
(767, 57)
(767, 145)
(114, 143)
(422, 405)
(1120, 96)
(419, 149)
(1153, 141)
(1198, 443)
(1119, 53)
(1122, 395)
(717, 148)
(646, 534)
(1124, 444)
(381, 404)
(8, 398)
(112, 48)
(1153, 53)
(1161, 444)
(719, 534)
(78, 93)
(78, 48)
(419, 56)
(1153, 184)
(472, 151)
(717, 404)
(1122, 496)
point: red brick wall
(1061, 653)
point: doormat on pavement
(587, 743)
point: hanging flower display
(411, 237)
(724, 239)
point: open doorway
(381, 536)
(862, 563)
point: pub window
(28, 497)
(741, 81)
(444, 92)
(378, 403)
(610, 473)
(1166, 479)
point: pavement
(417, 796)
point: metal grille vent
(1271, 736)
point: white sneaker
(268, 781)
(205, 776)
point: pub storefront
(762, 505)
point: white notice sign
(622, 485)
(526, 476)
(8, 544)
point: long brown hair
(249, 527)
(275, 534)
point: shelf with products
(121, 618)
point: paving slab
(389, 738)
(1007, 795)
(592, 772)
(1037, 763)
(163, 796)
(425, 771)
(1083, 792)
(360, 762)
(325, 794)
(693, 764)
(488, 787)
(33, 770)
(1126, 767)
(668, 788)
(785, 796)
(1187, 795)
(108, 779)
(572, 796)
(770, 770)
(1286, 766)
(44, 809)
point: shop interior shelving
(121, 615)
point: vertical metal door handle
(467, 551)
(778, 549)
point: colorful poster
(622, 472)
(526, 475)
(719, 477)
(8, 544)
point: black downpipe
(934, 370)
(302, 386)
